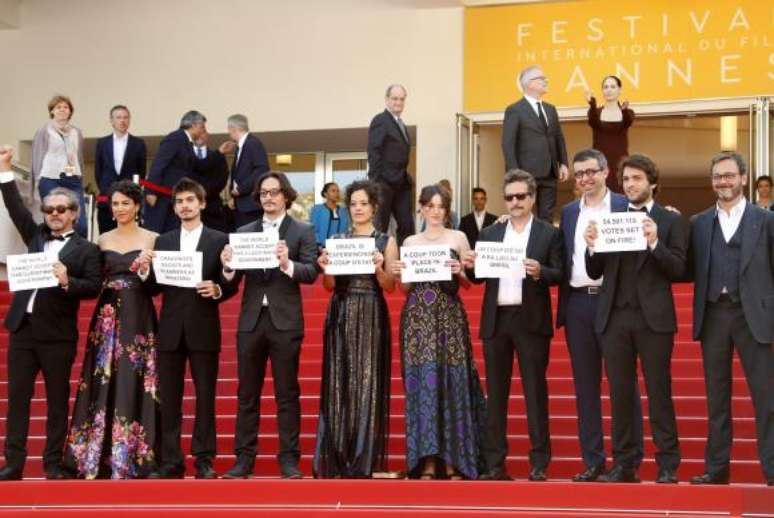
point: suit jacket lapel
(532, 114)
(534, 235)
(395, 124)
(72, 244)
(111, 160)
(283, 229)
(202, 240)
(704, 223)
(751, 227)
(572, 223)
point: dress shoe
(242, 468)
(666, 476)
(620, 474)
(591, 474)
(9, 473)
(205, 471)
(711, 478)
(495, 475)
(290, 470)
(538, 475)
(58, 473)
(167, 471)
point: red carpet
(383, 498)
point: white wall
(293, 65)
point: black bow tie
(63, 237)
(641, 209)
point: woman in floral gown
(355, 396)
(114, 423)
(445, 408)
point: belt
(588, 290)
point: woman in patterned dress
(114, 423)
(445, 409)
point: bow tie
(269, 224)
(63, 237)
(635, 209)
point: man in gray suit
(533, 140)
(271, 326)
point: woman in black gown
(114, 423)
(355, 394)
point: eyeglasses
(539, 78)
(521, 196)
(269, 193)
(588, 172)
(59, 209)
(725, 177)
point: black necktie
(635, 209)
(541, 116)
(63, 237)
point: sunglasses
(521, 196)
(59, 209)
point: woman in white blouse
(57, 155)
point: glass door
(761, 142)
(467, 163)
(343, 168)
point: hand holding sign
(650, 230)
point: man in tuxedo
(471, 224)
(119, 156)
(732, 262)
(174, 160)
(389, 147)
(636, 317)
(189, 330)
(211, 171)
(43, 323)
(516, 317)
(533, 139)
(578, 297)
(250, 163)
(271, 326)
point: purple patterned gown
(114, 424)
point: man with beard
(732, 250)
(636, 318)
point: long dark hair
(427, 194)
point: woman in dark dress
(610, 127)
(355, 394)
(114, 423)
(445, 409)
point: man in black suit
(516, 317)
(119, 156)
(471, 224)
(211, 171)
(189, 330)
(174, 160)
(389, 147)
(732, 251)
(271, 326)
(578, 297)
(533, 139)
(43, 323)
(250, 163)
(636, 317)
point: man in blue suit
(250, 163)
(578, 296)
(174, 159)
(119, 156)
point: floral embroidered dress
(445, 408)
(114, 424)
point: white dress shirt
(189, 239)
(534, 103)
(578, 277)
(729, 221)
(119, 150)
(200, 151)
(479, 217)
(240, 146)
(509, 292)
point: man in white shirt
(516, 319)
(118, 156)
(533, 140)
(732, 251)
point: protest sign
(620, 232)
(31, 271)
(497, 260)
(425, 263)
(254, 250)
(181, 269)
(350, 256)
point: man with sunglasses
(533, 140)
(271, 326)
(636, 318)
(578, 297)
(43, 323)
(516, 318)
(732, 260)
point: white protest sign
(350, 256)
(497, 260)
(425, 263)
(181, 269)
(31, 271)
(254, 250)
(620, 232)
